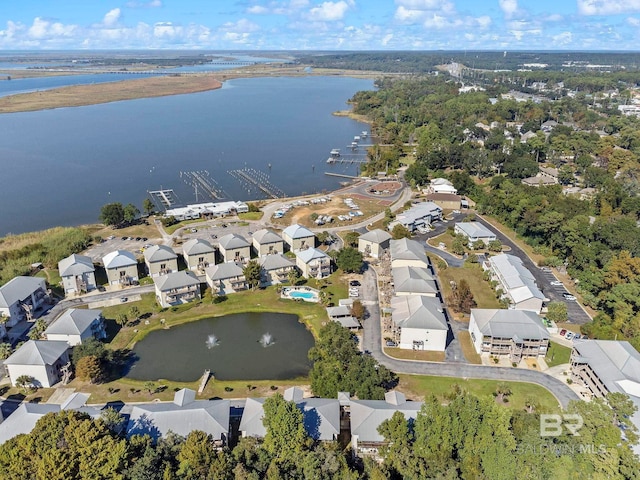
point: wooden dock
(204, 380)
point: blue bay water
(60, 166)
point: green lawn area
(417, 387)
(250, 216)
(184, 223)
(468, 350)
(483, 294)
(420, 355)
(443, 238)
(557, 354)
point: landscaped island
(80, 95)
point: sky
(320, 25)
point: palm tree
(502, 391)
(5, 350)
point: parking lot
(131, 244)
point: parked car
(354, 283)
(353, 294)
(569, 335)
(568, 296)
(123, 299)
(391, 344)
(563, 332)
(556, 283)
(545, 269)
(577, 336)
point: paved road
(576, 313)
(372, 341)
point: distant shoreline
(157, 86)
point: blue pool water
(301, 294)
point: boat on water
(335, 152)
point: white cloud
(386, 39)
(328, 11)
(607, 7)
(634, 22)
(509, 7)
(112, 17)
(564, 38)
(425, 4)
(42, 29)
(258, 10)
(149, 4)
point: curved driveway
(372, 341)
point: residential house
(414, 281)
(24, 418)
(446, 201)
(343, 315)
(313, 263)
(298, 237)
(160, 260)
(275, 269)
(419, 215)
(441, 185)
(406, 252)
(181, 416)
(76, 325)
(368, 415)
(517, 283)
(321, 416)
(608, 366)
(234, 248)
(474, 232)
(78, 274)
(177, 288)
(373, 243)
(42, 360)
(198, 254)
(121, 267)
(419, 322)
(267, 242)
(226, 278)
(514, 333)
(22, 298)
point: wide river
(60, 166)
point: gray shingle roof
(232, 241)
(75, 265)
(74, 321)
(265, 236)
(38, 352)
(159, 253)
(509, 323)
(223, 271)
(157, 419)
(176, 280)
(475, 230)
(310, 254)
(275, 262)
(197, 246)
(405, 249)
(519, 281)
(19, 288)
(367, 415)
(613, 361)
(376, 236)
(119, 259)
(413, 280)
(417, 311)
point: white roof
(419, 211)
(297, 231)
(197, 246)
(232, 240)
(119, 259)
(310, 254)
(418, 311)
(519, 282)
(413, 280)
(38, 352)
(159, 253)
(475, 230)
(74, 321)
(75, 265)
(223, 271)
(198, 209)
(406, 249)
(171, 281)
(441, 181)
(376, 236)
(19, 288)
(517, 324)
(265, 236)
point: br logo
(552, 425)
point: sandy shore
(80, 95)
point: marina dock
(257, 180)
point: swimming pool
(305, 295)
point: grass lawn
(483, 294)
(170, 230)
(417, 387)
(250, 216)
(468, 350)
(444, 238)
(405, 354)
(557, 354)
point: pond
(245, 346)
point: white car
(568, 296)
(556, 283)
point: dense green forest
(467, 438)
(592, 146)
